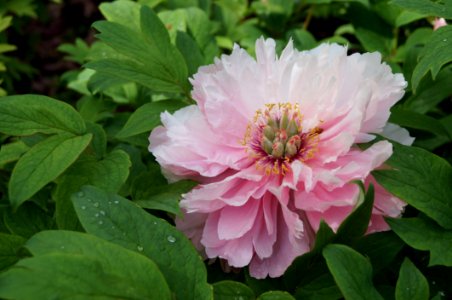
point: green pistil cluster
(281, 138)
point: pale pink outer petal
(438, 23)
(185, 146)
(396, 133)
(192, 225)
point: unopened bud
(269, 133)
(278, 150)
(267, 145)
(292, 128)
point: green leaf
(431, 92)
(9, 247)
(190, 51)
(147, 116)
(425, 235)
(422, 179)
(356, 224)
(12, 151)
(351, 271)
(149, 58)
(276, 295)
(164, 197)
(232, 290)
(126, 13)
(321, 288)
(428, 7)
(80, 266)
(108, 174)
(43, 163)
(372, 31)
(27, 220)
(29, 114)
(435, 54)
(120, 221)
(411, 283)
(410, 119)
(306, 268)
(99, 142)
(380, 247)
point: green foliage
(422, 179)
(411, 283)
(69, 264)
(43, 163)
(115, 219)
(224, 290)
(353, 285)
(424, 234)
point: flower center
(275, 138)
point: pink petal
(235, 221)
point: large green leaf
(411, 283)
(431, 92)
(435, 54)
(29, 114)
(422, 179)
(108, 174)
(276, 295)
(149, 58)
(411, 119)
(351, 271)
(425, 235)
(118, 220)
(429, 7)
(81, 266)
(43, 163)
(147, 116)
(232, 290)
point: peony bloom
(273, 143)
(438, 23)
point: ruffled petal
(185, 147)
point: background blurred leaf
(429, 7)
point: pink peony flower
(438, 23)
(272, 142)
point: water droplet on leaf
(171, 239)
(100, 222)
(140, 248)
(116, 201)
(102, 212)
(96, 204)
(97, 215)
(83, 207)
